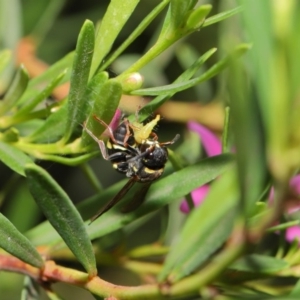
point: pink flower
(198, 196)
(211, 143)
(114, 123)
(212, 146)
(293, 233)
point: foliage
(220, 249)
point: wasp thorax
(156, 159)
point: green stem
(90, 174)
(56, 148)
(142, 267)
(160, 46)
(141, 27)
(8, 121)
(267, 289)
(148, 251)
(225, 130)
(283, 226)
(69, 161)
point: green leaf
(186, 55)
(105, 106)
(21, 203)
(30, 289)
(159, 100)
(13, 158)
(10, 135)
(264, 47)
(15, 243)
(205, 231)
(43, 234)
(47, 18)
(259, 264)
(176, 15)
(136, 32)
(5, 56)
(97, 101)
(15, 91)
(222, 16)
(33, 102)
(249, 139)
(79, 78)
(93, 91)
(197, 17)
(62, 215)
(37, 84)
(52, 295)
(116, 15)
(296, 290)
(177, 87)
(11, 25)
(179, 10)
(53, 128)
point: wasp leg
(115, 200)
(154, 136)
(100, 142)
(140, 155)
(128, 134)
(110, 131)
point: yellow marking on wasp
(151, 171)
(119, 147)
(142, 132)
(109, 145)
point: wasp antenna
(136, 115)
(175, 139)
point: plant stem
(225, 130)
(55, 148)
(88, 171)
(141, 27)
(153, 52)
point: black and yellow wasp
(134, 150)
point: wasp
(133, 149)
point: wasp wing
(115, 199)
(138, 198)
